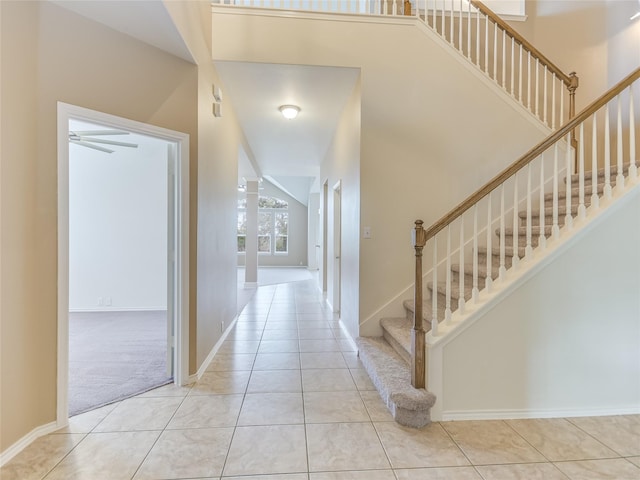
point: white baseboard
(212, 353)
(521, 414)
(118, 309)
(250, 284)
(25, 441)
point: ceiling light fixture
(289, 111)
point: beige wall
(594, 38)
(51, 55)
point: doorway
(325, 234)
(102, 255)
(337, 245)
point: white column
(251, 242)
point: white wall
(118, 225)
(567, 342)
(313, 231)
(342, 164)
(429, 135)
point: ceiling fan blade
(109, 142)
(99, 132)
(90, 145)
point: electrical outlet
(100, 301)
(107, 301)
(366, 232)
(221, 326)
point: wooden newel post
(417, 332)
(407, 7)
(573, 85)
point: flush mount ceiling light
(289, 111)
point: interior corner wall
(48, 55)
(297, 241)
(342, 164)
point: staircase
(540, 218)
(388, 359)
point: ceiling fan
(85, 139)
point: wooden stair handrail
(568, 80)
(531, 155)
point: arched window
(273, 226)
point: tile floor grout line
(526, 441)
(456, 444)
(569, 419)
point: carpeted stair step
(397, 333)
(455, 292)
(495, 254)
(575, 192)
(467, 268)
(575, 178)
(548, 214)
(392, 378)
(426, 312)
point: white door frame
(337, 247)
(181, 227)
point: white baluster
(451, 32)
(434, 19)
(545, 96)
(555, 229)
(495, 52)
(520, 97)
(434, 290)
(620, 177)
(515, 259)
(394, 9)
(529, 77)
(528, 249)
(478, 37)
(447, 308)
(460, 29)
(503, 266)
(513, 66)
(582, 210)
(489, 279)
(633, 169)
(537, 109)
(385, 7)
(461, 271)
(442, 23)
(474, 291)
(553, 102)
(542, 239)
(504, 59)
(595, 200)
(607, 155)
(486, 45)
(568, 218)
(561, 120)
(469, 30)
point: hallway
(286, 399)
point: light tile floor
(286, 399)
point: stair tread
(400, 329)
(392, 378)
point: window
(273, 226)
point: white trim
(349, 338)
(454, 415)
(181, 313)
(118, 309)
(250, 284)
(25, 441)
(207, 361)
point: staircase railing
(480, 35)
(527, 208)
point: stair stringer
(501, 290)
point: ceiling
(126, 16)
(287, 148)
(288, 152)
